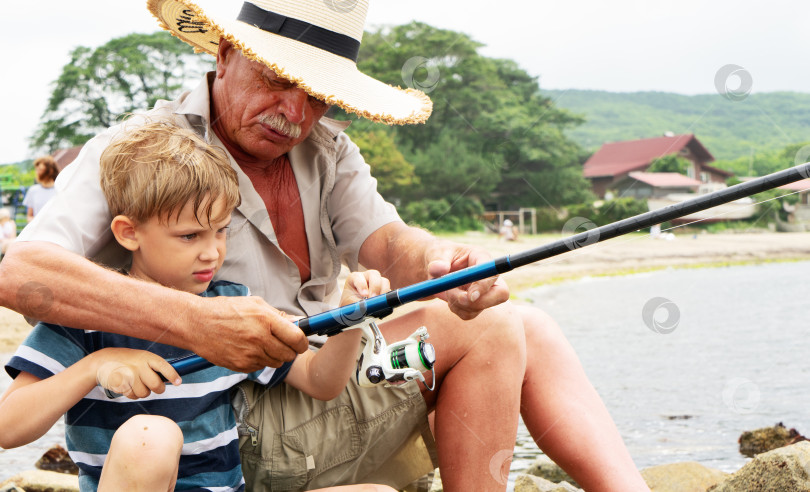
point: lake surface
(715, 352)
(685, 360)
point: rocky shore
(781, 458)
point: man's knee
(499, 331)
(539, 328)
(148, 439)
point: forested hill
(729, 129)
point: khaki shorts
(289, 441)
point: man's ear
(225, 52)
(123, 228)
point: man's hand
(468, 300)
(132, 373)
(245, 334)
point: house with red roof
(63, 157)
(610, 167)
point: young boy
(171, 196)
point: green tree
(100, 85)
(492, 137)
(669, 164)
(394, 174)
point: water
(729, 357)
(734, 361)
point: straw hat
(313, 43)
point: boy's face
(184, 253)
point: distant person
(171, 196)
(8, 229)
(38, 195)
(509, 231)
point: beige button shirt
(338, 195)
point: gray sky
(618, 45)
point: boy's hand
(362, 285)
(133, 373)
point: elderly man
(308, 203)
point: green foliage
(394, 174)
(452, 214)
(492, 136)
(669, 164)
(729, 129)
(762, 163)
(596, 213)
(18, 174)
(100, 85)
(619, 209)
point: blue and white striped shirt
(200, 405)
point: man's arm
(47, 282)
(407, 255)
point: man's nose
(294, 105)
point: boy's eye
(188, 237)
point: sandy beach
(626, 254)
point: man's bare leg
(479, 369)
(565, 415)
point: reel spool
(399, 362)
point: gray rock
(785, 469)
(545, 468)
(531, 483)
(43, 481)
(682, 477)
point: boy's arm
(324, 374)
(30, 406)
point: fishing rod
(336, 320)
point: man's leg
(565, 415)
(560, 407)
(480, 366)
(144, 455)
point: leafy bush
(454, 214)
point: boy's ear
(123, 228)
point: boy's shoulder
(225, 288)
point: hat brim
(326, 76)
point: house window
(704, 177)
(690, 172)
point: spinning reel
(397, 363)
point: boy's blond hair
(155, 169)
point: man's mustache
(282, 125)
